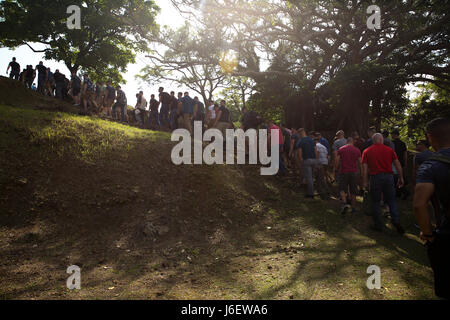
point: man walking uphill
(164, 100)
(307, 157)
(15, 69)
(187, 104)
(348, 163)
(42, 76)
(377, 163)
(433, 180)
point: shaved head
(378, 138)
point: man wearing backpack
(433, 180)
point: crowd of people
(374, 167)
(377, 167)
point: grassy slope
(77, 190)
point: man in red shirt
(377, 163)
(348, 162)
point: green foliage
(327, 69)
(433, 102)
(111, 31)
(190, 58)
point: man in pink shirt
(348, 163)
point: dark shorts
(348, 181)
(76, 91)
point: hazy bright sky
(25, 56)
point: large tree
(189, 57)
(111, 33)
(319, 41)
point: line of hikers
(374, 167)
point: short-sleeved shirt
(121, 97)
(30, 73)
(142, 104)
(323, 153)
(422, 157)
(213, 112)
(59, 77)
(188, 104)
(438, 173)
(173, 103)
(308, 148)
(325, 143)
(379, 159)
(41, 69)
(15, 67)
(90, 85)
(200, 107)
(339, 144)
(154, 104)
(165, 98)
(400, 148)
(349, 156)
(389, 143)
(280, 133)
(110, 92)
(225, 117)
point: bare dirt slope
(106, 197)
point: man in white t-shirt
(141, 107)
(211, 115)
(322, 185)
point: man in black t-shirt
(29, 76)
(173, 111)
(59, 83)
(75, 84)
(250, 119)
(433, 181)
(164, 100)
(42, 76)
(110, 96)
(199, 111)
(15, 69)
(223, 118)
(402, 153)
(154, 114)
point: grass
(79, 190)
